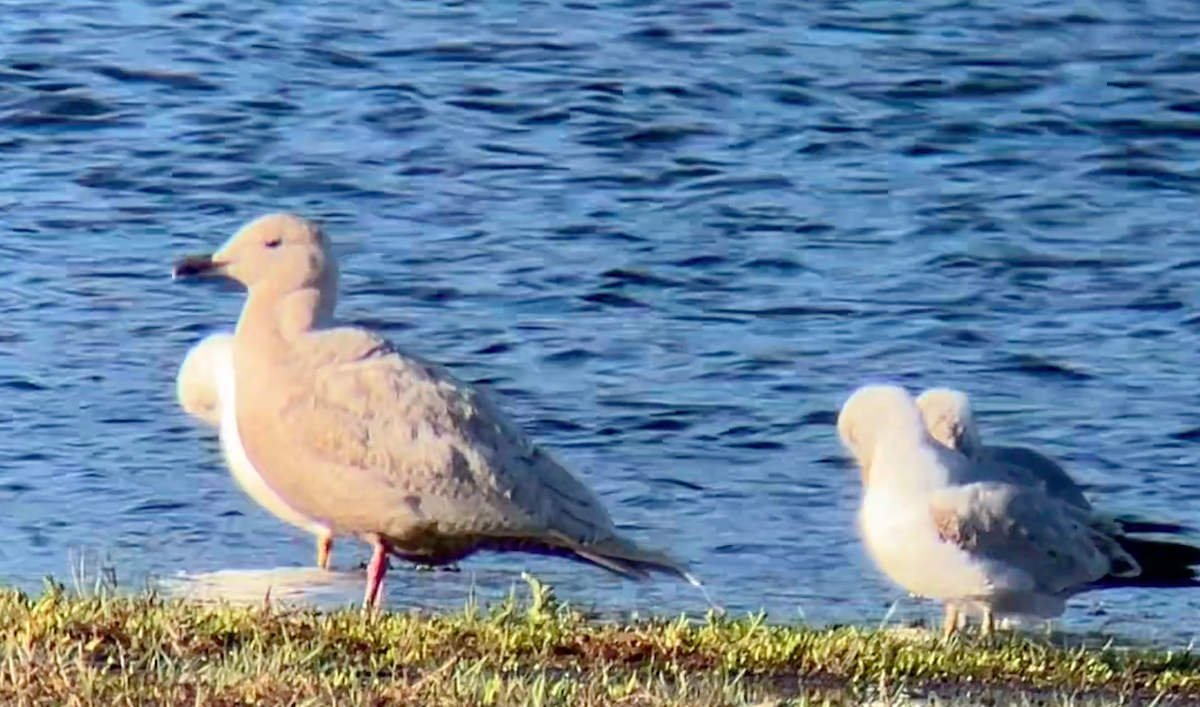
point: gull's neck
(286, 316)
(269, 327)
(303, 311)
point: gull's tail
(1164, 564)
(1133, 524)
(626, 558)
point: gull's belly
(902, 540)
(239, 463)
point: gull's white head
(283, 260)
(872, 412)
(279, 252)
(949, 419)
(196, 384)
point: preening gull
(951, 421)
(377, 443)
(205, 388)
(936, 529)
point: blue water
(672, 236)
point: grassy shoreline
(61, 649)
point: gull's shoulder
(345, 344)
(358, 370)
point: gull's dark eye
(274, 242)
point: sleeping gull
(205, 387)
(379, 444)
(999, 547)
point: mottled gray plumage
(378, 443)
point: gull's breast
(239, 463)
(902, 540)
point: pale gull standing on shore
(379, 444)
(937, 530)
(205, 387)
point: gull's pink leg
(324, 548)
(375, 572)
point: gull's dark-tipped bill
(193, 266)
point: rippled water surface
(672, 236)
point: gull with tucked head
(942, 527)
(950, 420)
(206, 372)
(371, 441)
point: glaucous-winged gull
(377, 443)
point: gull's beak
(190, 266)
